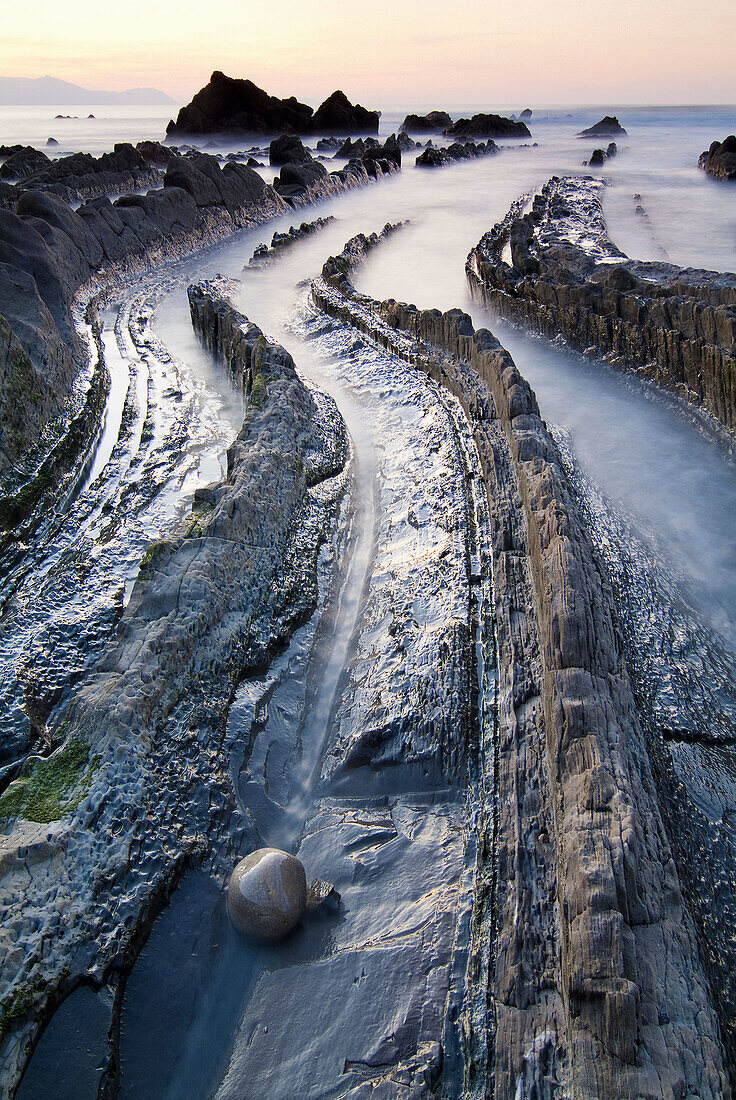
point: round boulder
(267, 894)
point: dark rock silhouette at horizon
(229, 105)
(609, 126)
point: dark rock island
(231, 106)
(607, 127)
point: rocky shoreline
(56, 259)
(143, 736)
(605, 986)
(566, 278)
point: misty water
(670, 475)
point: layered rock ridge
(584, 977)
(53, 259)
(566, 278)
(144, 772)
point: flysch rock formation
(719, 160)
(82, 176)
(54, 260)
(281, 241)
(583, 974)
(227, 105)
(566, 278)
(143, 786)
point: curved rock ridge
(145, 771)
(281, 241)
(567, 278)
(719, 160)
(54, 259)
(593, 985)
(487, 126)
(227, 105)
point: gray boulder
(267, 894)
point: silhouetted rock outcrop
(433, 123)
(607, 127)
(231, 106)
(338, 115)
(720, 160)
(487, 125)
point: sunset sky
(385, 52)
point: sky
(441, 53)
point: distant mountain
(22, 91)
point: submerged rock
(267, 894)
(720, 160)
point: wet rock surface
(267, 894)
(54, 258)
(206, 607)
(585, 1005)
(719, 160)
(566, 278)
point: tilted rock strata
(676, 325)
(208, 607)
(594, 962)
(719, 160)
(227, 105)
(51, 256)
(282, 241)
(82, 176)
